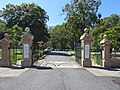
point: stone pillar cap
(105, 36)
(85, 34)
(86, 30)
(6, 35)
(27, 29)
(105, 40)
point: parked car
(47, 50)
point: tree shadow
(104, 68)
(42, 68)
(35, 67)
(59, 54)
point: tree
(27, 15)
(113, 34)
(2, 29)
(61, 38)
(15, 34)
(82, 14)
(109, 26)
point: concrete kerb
(40, 61)
(98, 70)
(16, 70)
(72, 54)
(101, 71)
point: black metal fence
(96, 56)
(16, 53)
(37, 53)
(0, 52)
(78, 53)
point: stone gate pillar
(86, 49)
(5, 43)
(27, 40)
(106, 52)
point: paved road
(59, 72)
(59, 59)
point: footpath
(101, 71)
(95, 69)
(98, 70)
(13, 71)
(9, 72)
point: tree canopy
(27, 15)
(2, 29)
(61, 37)
(82, 14)
(15, 34)
(109, 26)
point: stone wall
(115, 62)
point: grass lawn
(97, 59)
(0, 52)
(15, 55)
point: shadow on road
(109, 69)
(59, 53)
(36, 67)
(42, 68)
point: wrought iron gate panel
(78, 53)
(16, 53)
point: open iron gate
(16, 53)
(78, 53)
(37, 53)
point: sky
(54, 8)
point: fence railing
(115, 55)
(37, 53)
(0, 52)
(15, 53)
(96, 57)
(78, 53)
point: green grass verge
(15, 59)
(0, 51)
(97, 59)
(15, 55)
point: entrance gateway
(5, 51)
(27, 40)
(85, 49)
(106, 60)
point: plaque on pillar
(106, 52)
(87, 51)
(27, 40)
(26, 50)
